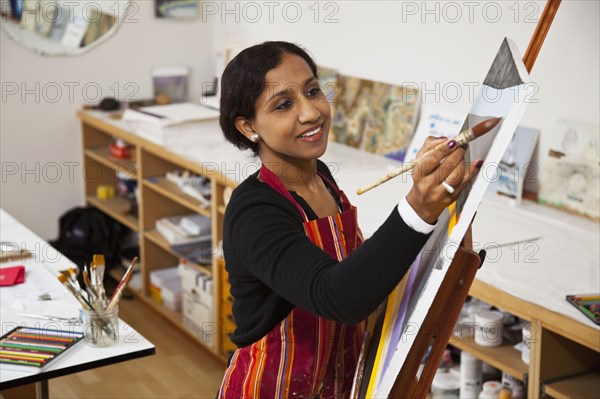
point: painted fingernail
(452, 144)
(479, 164)
(465, 146)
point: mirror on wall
(63, 27)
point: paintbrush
(114, 300)
(98, 265)
(85, 303)
(72, 276)
(92, 293)
(463, 138)
(76, 293)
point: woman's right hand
(441, 161)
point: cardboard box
(197, 304)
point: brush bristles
(62, 278)
(482, 128)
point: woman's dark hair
(244, 80)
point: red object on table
(12, 276)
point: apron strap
(343, 199)
(273, 181)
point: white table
(41, 272)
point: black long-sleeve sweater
(273, 266)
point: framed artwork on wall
(176, 9)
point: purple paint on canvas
(397, 330)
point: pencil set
(588, 304)
(32, 349)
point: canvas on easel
(503, 94)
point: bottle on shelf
(471, 375)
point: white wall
(442, 46)
(387, 41)
(42, 134)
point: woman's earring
(254, 137)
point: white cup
(488, 328)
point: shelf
(170, 190)
(221, 209)
(117, 208)
(504, 357)
(159, 240)
(582, 386)
(102, 155)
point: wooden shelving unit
(158, 197)
(565, 355)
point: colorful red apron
(304, 356)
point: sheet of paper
(38, 280)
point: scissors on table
(67, 320)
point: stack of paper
(172, 114)
(182, 230)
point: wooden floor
(180, 368)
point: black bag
(84, 232)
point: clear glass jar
(100, 328)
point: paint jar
(105, 191)
(526, 334)
(505, 393)
(491, 390)
(488, 328)
(471, 376)
(100, 328)
(446, 384)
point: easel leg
(437, 327)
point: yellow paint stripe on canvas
(389, 320)
(452, 220)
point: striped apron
(304, 356)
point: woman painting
(302, 279)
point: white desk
(41, 271)
(564, 260)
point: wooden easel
(440, 320)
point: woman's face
(292, 114)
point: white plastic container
(491, 390)
(488, 328)
(471, 375)
(446, 384)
